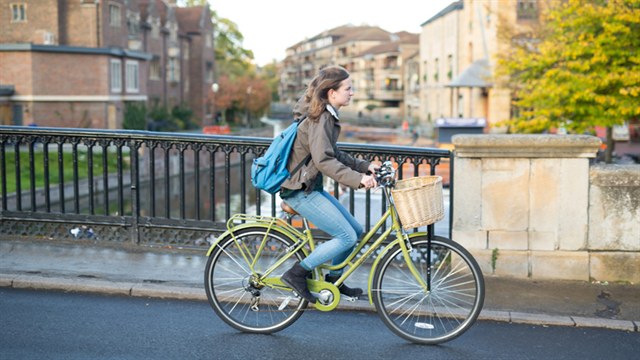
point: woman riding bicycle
(303, 191)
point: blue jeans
(327, 214)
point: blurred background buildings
(76, 63)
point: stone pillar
(614, 222)
(526, 196)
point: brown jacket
(319, 139)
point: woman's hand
(368, 182)
(373, 168)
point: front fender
(254, 225)
(381, 255)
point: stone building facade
(73, 63)
(457, 53)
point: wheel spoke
(443, 313)
(232, 286)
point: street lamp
(214, 88)
(249, 89)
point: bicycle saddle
(288, 208)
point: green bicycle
(426, 289)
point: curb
(164, 291)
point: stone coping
(526, 146)
(615, 175)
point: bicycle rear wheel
(443, 314)
(234, 294)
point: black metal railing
(150, 188)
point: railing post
(451, 176)
(135, 196)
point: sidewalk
(127, 270)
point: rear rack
(268, 220)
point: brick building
(73, 63)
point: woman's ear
(330, 93)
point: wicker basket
(419, 201)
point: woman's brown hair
(317, 93)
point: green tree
(269, 72)
(235, 72)
(578, 68)
(231, 57)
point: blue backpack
(270, 171)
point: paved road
(57, 325)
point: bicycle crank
(328, 294)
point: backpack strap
(302, 118)
(304, 161)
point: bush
(135, 117)
(184, 115)
(180, 118)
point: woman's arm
(324, 157)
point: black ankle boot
(344, 289)
(296, 278)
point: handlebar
(386, 175)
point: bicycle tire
(227, 277)
(451, 307)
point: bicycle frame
(301, 239)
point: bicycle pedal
(349, 298)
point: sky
(271, 26)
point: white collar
(333, 111)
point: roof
(346, 33)
(402, 37)
(7, 90)
(165, 10)
(189, 18)
(476, 75)
(362, 33)
(407, 37)
(453, 6)
(415, 54)
(381, 49)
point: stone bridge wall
(532, 206)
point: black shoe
(296, 278)
(344, 289)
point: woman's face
(342, 96)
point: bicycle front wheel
(445, 312)
(233, 291)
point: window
(114, 13)
(19, 12)
(116, 75)
(49, 39)
(134, 24)
(425, 76)
(132, 76)
(527, 10)
(450, 64)
(185, 50)
(209, 72)
(173, 70)
(173, 32)
(154, 68)
(208, 40)
(155, 28)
